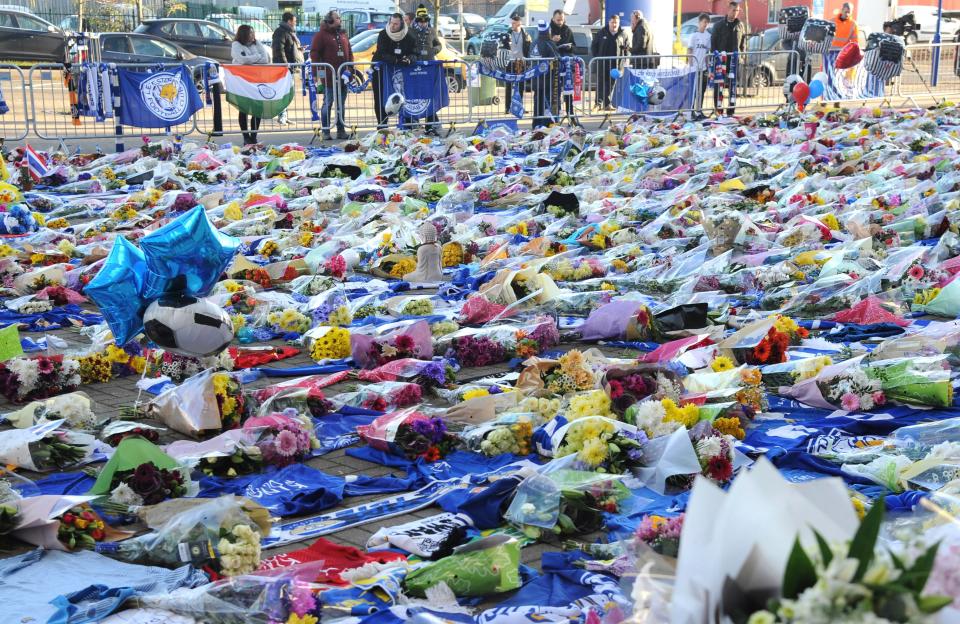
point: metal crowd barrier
(51, 101)
(363, 105)
(760, 78)
(15, 123)
(930, 70)
(600, 84)
(540, 96)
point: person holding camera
(331, 46)
(395, 46)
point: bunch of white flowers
(241, 555)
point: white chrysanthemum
(709, 447)
(123, 494)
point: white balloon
(822, 77)
(788, 85)
(188, 325)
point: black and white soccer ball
(655, 95)
(188, 325)
(791, 81)
(394, 103)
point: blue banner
(630, 90)
(158, 99)
(423, 86)
(294, 490)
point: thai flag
(36, 164)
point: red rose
(97, 534)
(88, 516)
(68, 518)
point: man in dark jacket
(729, 35)
(331, 46)
(641, 41)
(286, 47)
(428, 46)
(546, 90)
(610, 43)
(562, 37)
(395, 46)
(516, 44)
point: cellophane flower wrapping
(374, 346)
(383, 396)
(410, 433)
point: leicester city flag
(423, 86)
(157, 99)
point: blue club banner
(158, 99)
(629, 92)
(423, 86)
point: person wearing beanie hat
(428, 46)
(545, 86)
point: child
(699, 46)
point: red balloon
(849, 56)
(801, 93)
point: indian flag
(263, 91)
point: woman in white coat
(246, 50)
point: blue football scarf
(60, 483)
(4, 109)
(516, 103)
(483, 504)
(538, 69)
(423, 86)
(849, 333)
(293, 490)
(158, 99)
(339, 430)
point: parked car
(449, 28)
(231, 22)
(363, 36)
(765, 70)
(473, 24)
(26, 37)
(492, 32)
(456, 74)
(143, 48)
(199, 37)
(364, 19)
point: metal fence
(40, 99)
(14, 124)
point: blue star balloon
(116, 290)
(186, 256)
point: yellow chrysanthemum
(239, 321)
(830, 220)
(40, 219)
(730, 426)
(403, 266)
(302, 619)
(688, 415)
(138, 364)
(593, 452)
(7, 250)
(786, 325)
(722, 363)
(619, 266)
(599, 241)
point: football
(188, 325)
(394, 103)
(655, 95)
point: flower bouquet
(410, 433)
(383, 396)
(285, 439)
(558, 502)
(373, 346)
(436, 373)
(75, 408)
(43, 447)
(600, 444)
(498, 343)
(288, 321)
(330, 308)
(631, 385)
(201, 532)
(576, 269)
(146, 485)
(304, 394)
(575, 371)
(661, 534)
(328, 343)
(508, 433)
(30, 378)
(855, 581)
(260, 599)
(715, 452)
(60, 523)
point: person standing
(545, 88)
(609, 44)
(562, 37)
(699, 46)
(428, 46)
(286, 47)
(729, 36)
(641, 41)
(517, 43)
(246, 50)
(846, 28)
(332, 46)
(395, 46)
